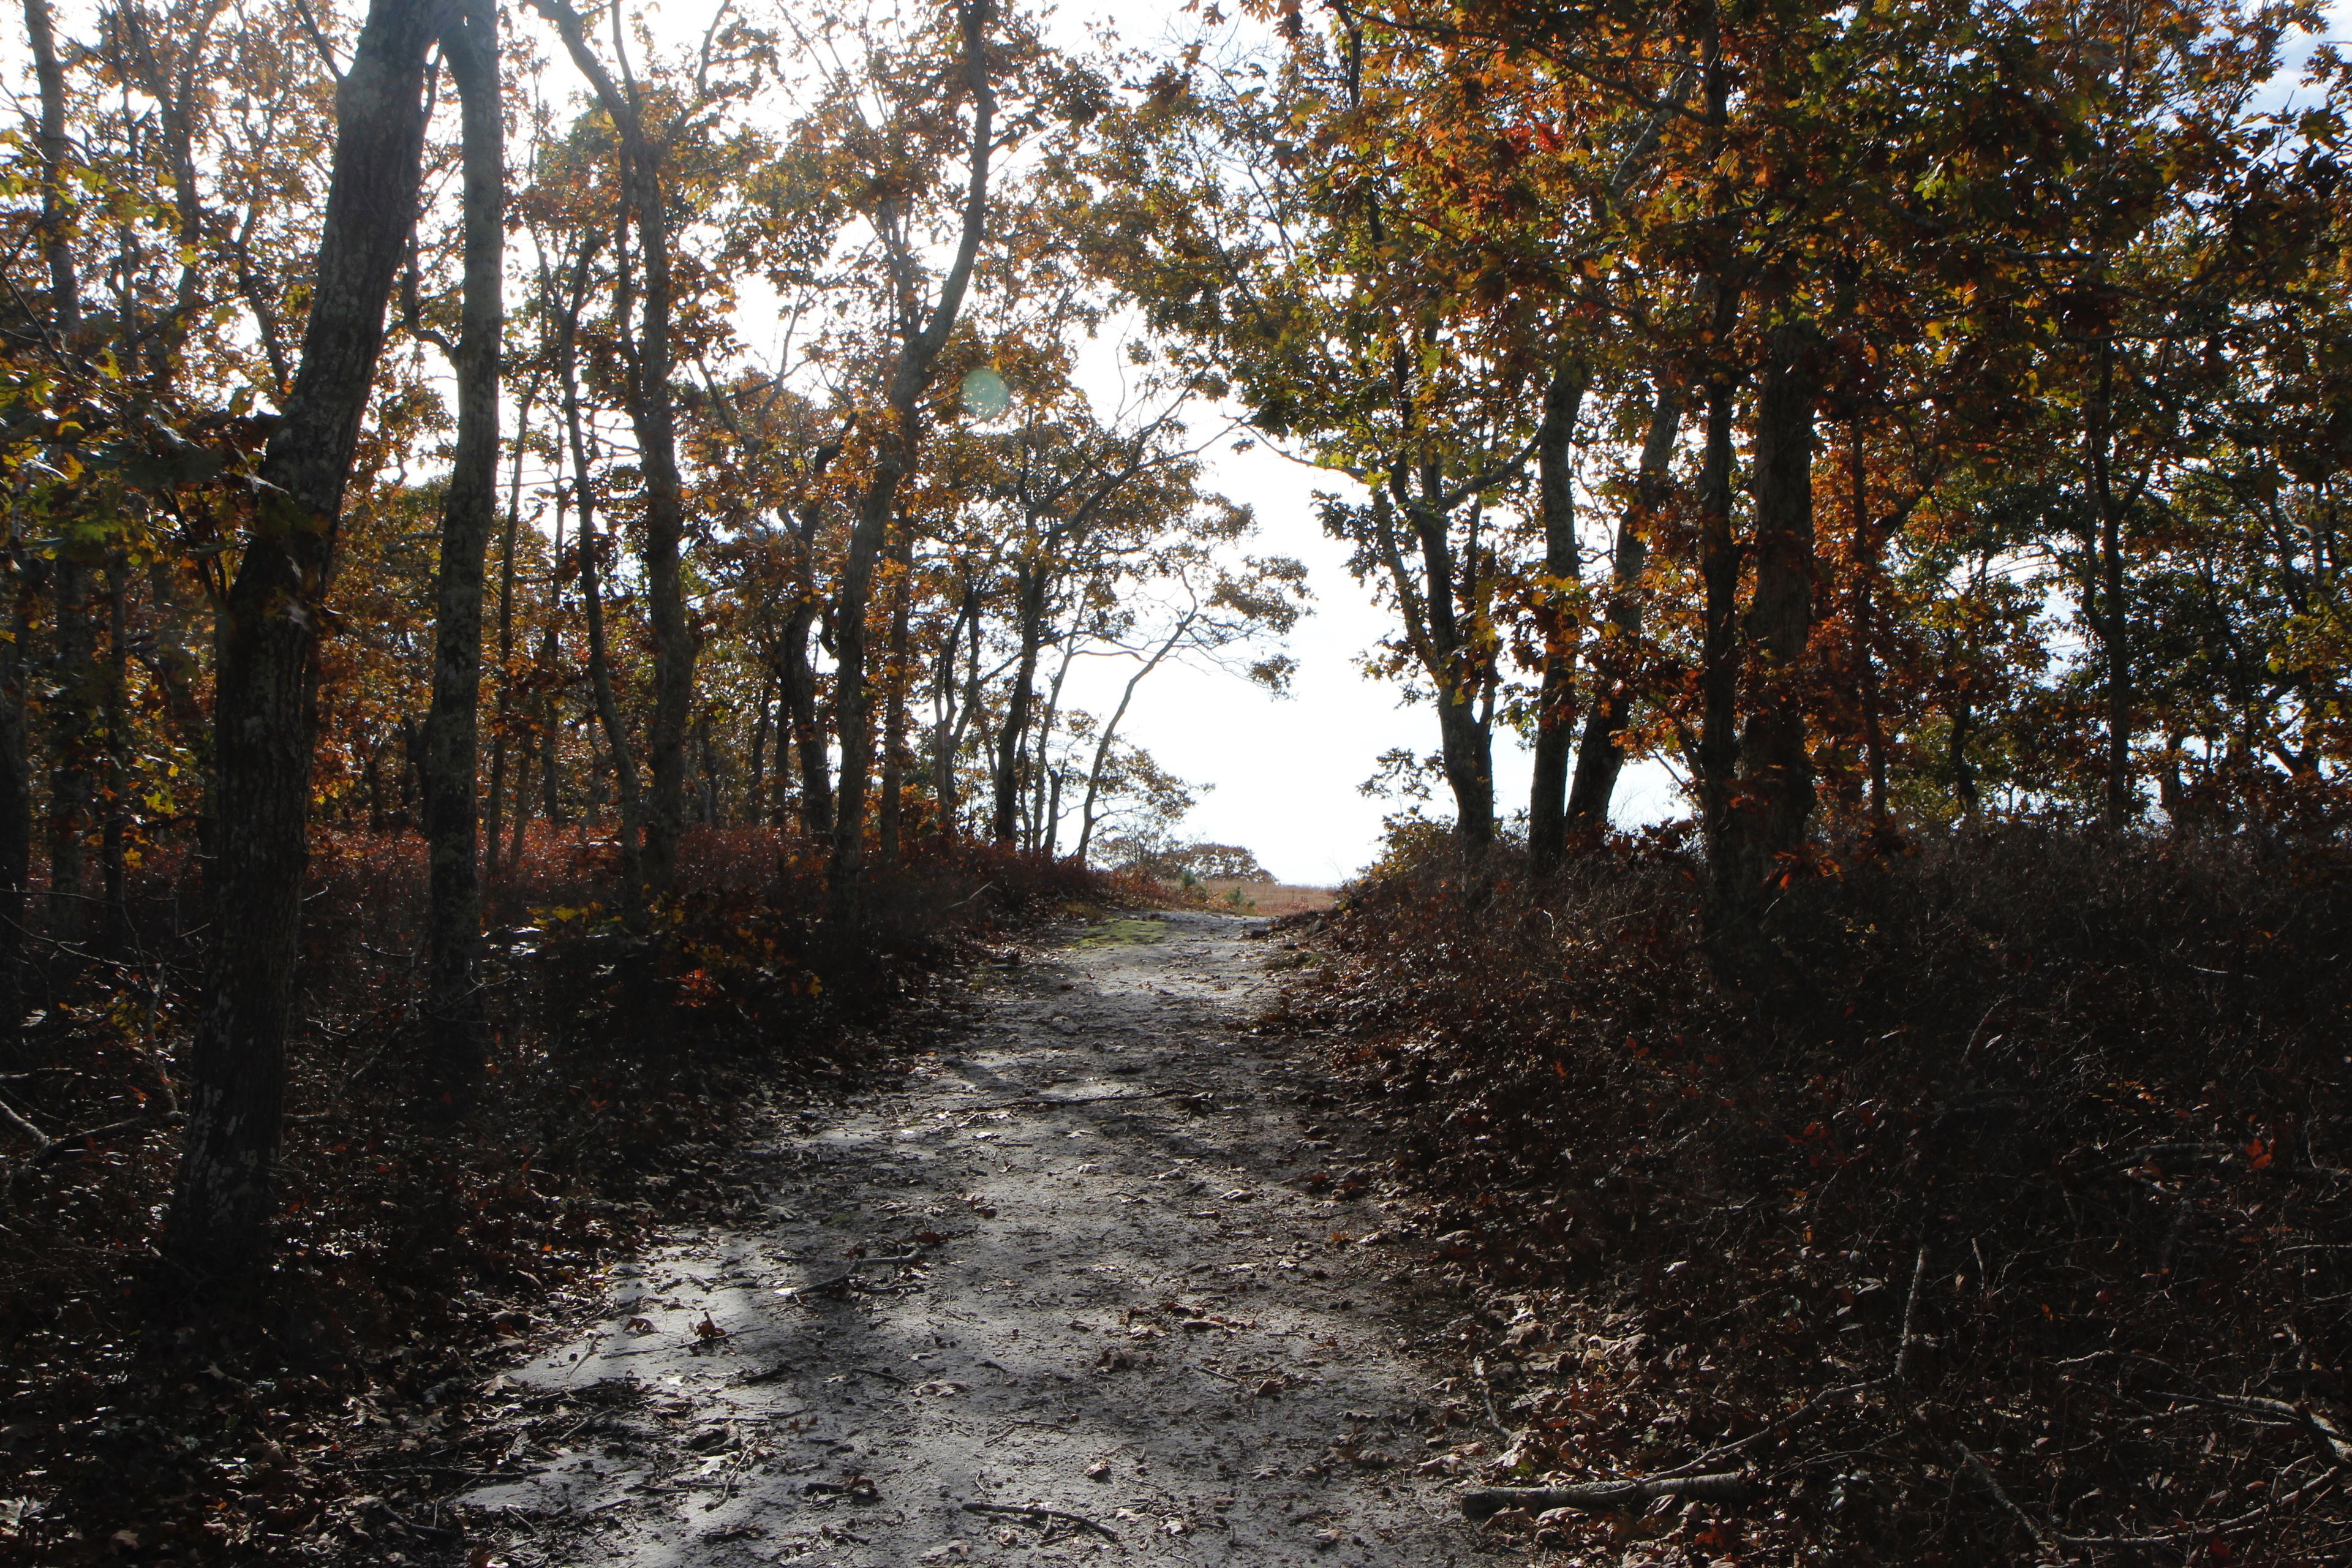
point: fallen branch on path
(1728, 1487)
(847, 1280)
(1055, 1514)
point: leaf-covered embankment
(2006, 1217)
(414, 1251)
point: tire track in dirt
(1094, 1282)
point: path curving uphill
(1078, 1291)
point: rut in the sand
(1085, 1289)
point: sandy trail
(1108, 1272)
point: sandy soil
(1091, 1256)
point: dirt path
(1106, 1270)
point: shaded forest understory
(2001, 1219)
(413, 1253)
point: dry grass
(1267, 898)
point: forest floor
(1088, 1282)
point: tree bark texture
(263, 708)
(890, 821)
(458, 1023)
(1773, 800)
(1719, 568)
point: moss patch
(1123, 933)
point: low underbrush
(317, 1420)
(2009, 1221)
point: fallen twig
(1020, 1512)
(45, 1148)
(1731, 1486)
(2333, 1444)
(2058, 1544)
(2043, 1536)
(1478, 1367)
(1723, 1450)
(1911, 1319)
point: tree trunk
(1042, 775)
(1864, 552)
(1012, 741)
(591, 603)
(646, 354)
(115, 934)
(894, 709)
(1556, 701)
(1464, 738)
(1718, 563)
(64, 320)
(503, 727)
(57, 203)
(894, 457)
(454, 1013)
(2112, 621)
(1964, 773)
(1599, 759)
(176, 668)
(550, 760)
(707, 749)
(73, 725)
(674, 639)
(1465, 749)
(264, 709)
(1766, 825)
(755, 804)
(547, 726)
(949, 717)
(798, 673)
(16, 799)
